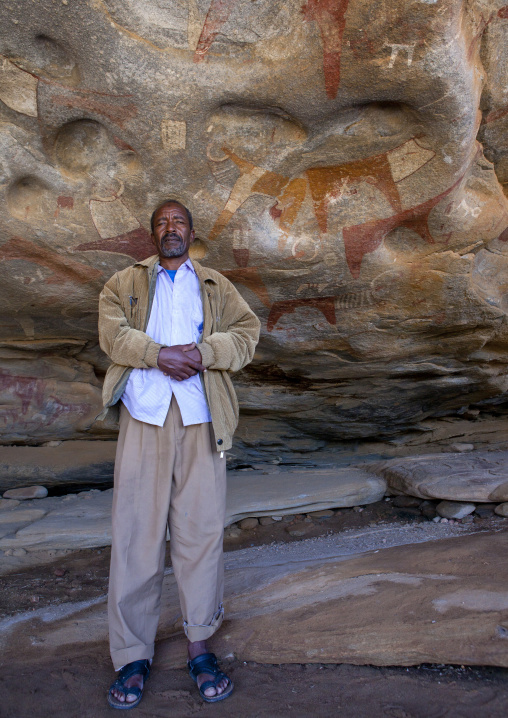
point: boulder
(479, 476)
(26, 493)
(454, 509)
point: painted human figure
(174, 331)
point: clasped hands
(180, 361)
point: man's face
(172, 234)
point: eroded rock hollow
(344, 161)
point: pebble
(485, 511)
(276, 518)
(455, 509)
(467, 519)
(59, 572)
(248, 524)
(8, 504)
(26, 493)
(502, 510)
(461, 447)
(428, 510)
(406, 502)
(19, 552)
(266, 520)
(288, 518)
(358, 509)
(299, 529)
(232, 533)
(325, 514)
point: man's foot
(127, 690)
(213, 684)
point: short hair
(171, 201)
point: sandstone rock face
(345, 164)
(440, 601)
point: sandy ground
(75, 683)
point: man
(174, 331)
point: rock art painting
(347, 170)
(330, 16)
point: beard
(172, 250)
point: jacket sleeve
(123, 344)
(233, 347)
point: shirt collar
(187, 264)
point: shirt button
(219, 441)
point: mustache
(170, 235)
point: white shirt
(176, 318)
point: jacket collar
(204, 274)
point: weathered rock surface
(70, 462)
(300, 491)
(442, 601)
(330, 156)
(478, 476)
(84, 520)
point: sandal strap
(132, 669)
(205, 663)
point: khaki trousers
(165, 474)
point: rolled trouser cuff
(202, 632)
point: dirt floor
(75, 683)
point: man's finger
(188, 347)
(194, 364)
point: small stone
(299, 529)
(406, 502)
(358, 509)
(232, 533)
(444, 521)
(471, 413)
(288, 518)
(8, 504)
(485, 511)
(467, 519)
(19, 552)
(248, 524)
(276, 518)
(502, 510)
(460, 448)
(26, 493)
(325, 514)
(436, 519)
(266, 520)
(454, 509)
(8, 552)
(59, 572)
(52, 444)
(428, 510)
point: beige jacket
(230, 335)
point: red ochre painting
(330, 16)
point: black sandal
(207, 663)
(131, 669)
